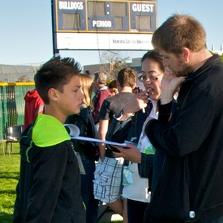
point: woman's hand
(136, 102)
(130, 153)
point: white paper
(99, 141)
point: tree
(221, 56)
(113, 63)
(23, 79)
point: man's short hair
(126, 77)
(179, 31)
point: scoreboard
(103, 25)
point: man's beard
(186, 71)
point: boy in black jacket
(49, 185)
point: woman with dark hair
(137, 188)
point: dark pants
(216, 220)
(87, 191)
(135, 210)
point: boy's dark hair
(55, 73)
(126, 77)
(112, 84)
(154, 55)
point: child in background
(113, 87)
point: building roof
(13, 73)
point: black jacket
(84, 121)
(49, 184)
(191, 177)
(130, 130)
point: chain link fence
(12, 106)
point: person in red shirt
(34, 105)
(102, 92)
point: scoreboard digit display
(101, 24)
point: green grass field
(9, 174)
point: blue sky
(26, 30)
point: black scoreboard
(105, 16)
(102, 17)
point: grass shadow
(5, 218)
(9, 175)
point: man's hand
(169, 85)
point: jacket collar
(206, 66)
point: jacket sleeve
(47, 183)
(165, 112)
(145, 167)
(189, 124)
(17, 215)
